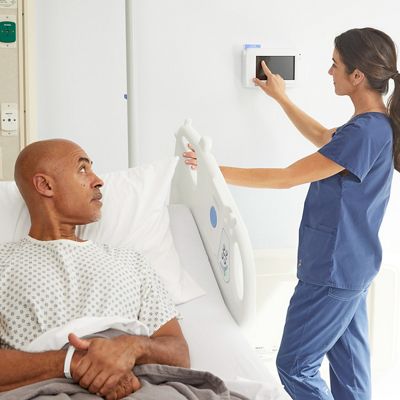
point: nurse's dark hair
(373, 52)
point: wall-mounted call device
(8, 31)
(280, 61)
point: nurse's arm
(306, 125)
(309, 169)
(311, 129)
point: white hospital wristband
(67, 362)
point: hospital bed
(213, 248)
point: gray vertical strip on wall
(130, 82)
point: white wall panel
(82, 77)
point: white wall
(188, 65)
(82, 77)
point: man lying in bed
(52, 277)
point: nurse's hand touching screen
(274, 86)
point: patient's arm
(166, 346)
(108, 360)
(19, 368)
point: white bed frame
(222, 230)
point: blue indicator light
(213, 217)
(252, 46)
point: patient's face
(77, 195)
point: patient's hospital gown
(45, 284)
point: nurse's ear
(357, 77)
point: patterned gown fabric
(45, 284)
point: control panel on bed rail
(224, 254)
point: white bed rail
(224, 235)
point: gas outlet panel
(9, 119)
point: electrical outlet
(9, 119)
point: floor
(384, 382)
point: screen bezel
(269, 60)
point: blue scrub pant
(326, 321)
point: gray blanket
(160, 382)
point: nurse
(339, 251)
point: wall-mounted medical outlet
(8, 31)
(9, 119)
(8, 3)
(280, 61)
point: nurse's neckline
(370, 112)
(378, 113)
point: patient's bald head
(56, 177)
(38, 157)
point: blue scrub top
(338, 237)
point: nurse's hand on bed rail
(190, 157)
(274, 86)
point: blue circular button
(213, 216)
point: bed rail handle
(221, 228)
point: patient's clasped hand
(52, 277)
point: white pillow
(134, 214)
(14, 217)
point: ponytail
(393, 107)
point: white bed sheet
(216, 342)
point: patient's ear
(42, 184)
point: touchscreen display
(282, 65)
